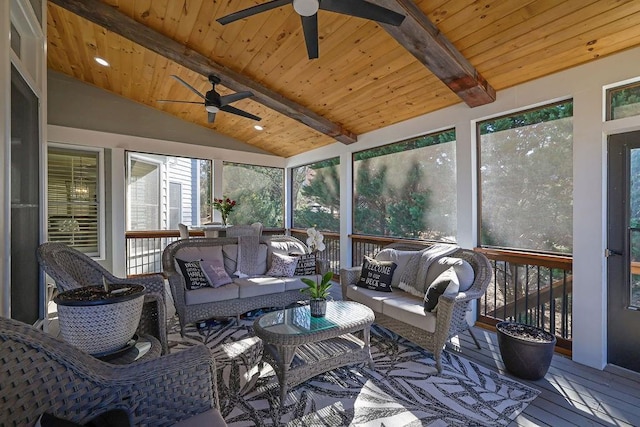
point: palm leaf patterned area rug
(404, 389)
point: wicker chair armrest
(349, 276)
(154, 319)
(172, 388)
(177, 286)
(152, 283)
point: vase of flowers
(224, 206)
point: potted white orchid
(317, 291)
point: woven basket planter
(101, 325)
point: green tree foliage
(316, 195)
(527, 180)
(407, 189)
(205, 190)
(258, 191)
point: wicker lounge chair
(41, 374)
(72, 269)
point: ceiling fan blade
(310, 28)
(183, 102)
(228, 99)
(363, 9)
(194, 90)
(211, 117)
(239, 112)
(232, 17)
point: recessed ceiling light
(101, 61)
(258, 127)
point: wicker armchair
(452, 309)
(72, 269)
(41, 374)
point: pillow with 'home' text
(376, 275)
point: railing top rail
(564, 262)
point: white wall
(585, 84)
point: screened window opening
(623, 101)
(258, 192)
(163, 191)
(407, 189)
(73, 199)
(526, 180)
(316, 195)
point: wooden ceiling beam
(110, 18)
(421, 37)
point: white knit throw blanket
(416, 269)
(248, 247)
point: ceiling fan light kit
(308, 11)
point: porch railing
(529, 288)
(144, 248)
(332, 251)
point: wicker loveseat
(41, 374)
(245, 293)
(404, 313)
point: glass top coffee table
(299, 346)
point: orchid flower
(315, 241)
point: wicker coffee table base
(296, 364)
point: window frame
(100, 192)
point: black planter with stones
(526, 350)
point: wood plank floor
(572, 394)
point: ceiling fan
(213, 102)
(308, 11)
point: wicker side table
(299, 346)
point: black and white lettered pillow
(306, 265)
(376, 275)
(193, 275)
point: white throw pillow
(282, 265)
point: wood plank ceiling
(364, 80)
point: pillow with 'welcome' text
(376, 275)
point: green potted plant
(100, 319)
(318, 293)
